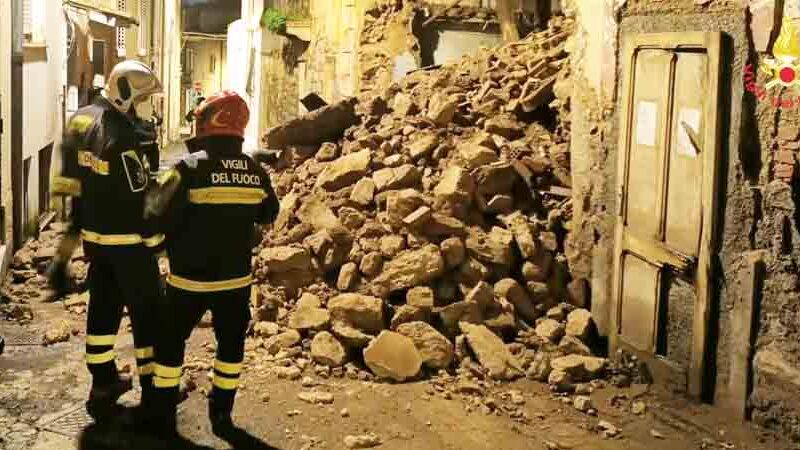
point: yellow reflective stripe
(208, 286)
(228, 368)
(111, 239)
(154, 241)
(80, 123)
(168, 175)
(160, 382)
(66, 186)
(147, 369)
(227, 195)
(109, 339)
(226, 383)
(100, 358)
(167, 372)
(144, 353)
(88, 160)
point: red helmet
(222, 114)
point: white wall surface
(44, 75)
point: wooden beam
(743, 323)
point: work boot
(102, 403)
(219, 413)
(221, 423)
(162, 426)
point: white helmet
(130, 82)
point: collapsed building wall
(360, 46)
(757, 253)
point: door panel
(640, 294)
(647, 148)
(668, 161)
(684, 187)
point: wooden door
(668, 158)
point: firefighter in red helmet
(208, 206)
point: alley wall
(759, 189)
(43, 90)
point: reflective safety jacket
(106, 169)
(147, 136)
(208, 206)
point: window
(145, 9)
(121, 42)
(99, 57)
(121, 49)
(33, 18)
(187, 60)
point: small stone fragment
(371, 264)
(362, 441)
(284, 340)
(550, 329)
(453, 251)
(420, 297)
(583, 403)
(363, 192)
(392, 355)
(491, 352)
(308, 318)
(289, 373)
(360, 311)
(571, 345)
(436, 350)
(316, 398)
(327, 350)
(348, 277)
(579, 323)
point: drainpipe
(17, 100)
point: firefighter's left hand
(58, 277)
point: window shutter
(27, 18)
(145, 9)
(121, 50)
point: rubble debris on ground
(26, 282)
(426, 239)
(428, 236)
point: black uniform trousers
(230, 311)
(121, 276)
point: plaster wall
(44, 75)
(759, 216)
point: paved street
(42, 390)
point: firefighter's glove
(58, 277)
(58, 272)
(157, 199)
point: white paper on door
(646, 123)
(690, 117)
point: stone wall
(759, 217)
(280, 78)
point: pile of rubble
(25, 282)
(392, 26)
(432, 231)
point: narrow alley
(399, 224)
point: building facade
(704, 284)
(54, 59)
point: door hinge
(1, 126)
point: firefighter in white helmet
(105, 172)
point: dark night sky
(210, 16)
